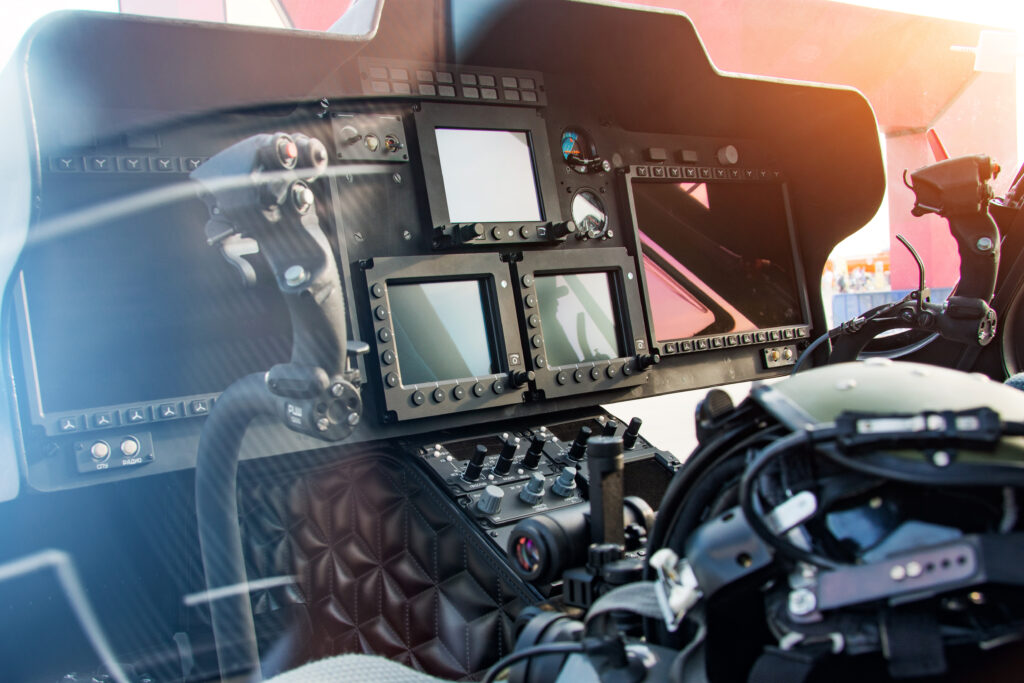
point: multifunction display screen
(174, 319)
(718, 257)
(488, 175)
(442, 330)
(578, 318)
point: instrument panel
(509, 250)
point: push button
(199, 406)
(101, 420)
(167, 411)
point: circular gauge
(588, 213)
(579, 151)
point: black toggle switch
(469, 232)
(632, 432)
(610, 427)
(579, 446)
(518, 378)
(508, 454)
(532, 458)
(476, 463)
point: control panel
(504, 478)
(508, 249)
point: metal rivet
(941, 459)
(897, 573)
(914, 569)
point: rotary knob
(489, 502)
(469, 232)
(566, 483)
(532, 458)
(631, 433)
(579, 446)
(507, 455)
(476, 463)
(518, 378)
(533, 492)
(561, 229)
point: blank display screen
(488, 175)
(578, 317)
(718, 257)
(441, 330)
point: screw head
(295, 276)
(353, 419)
(323, 424)
(941, 459)
(337, 390)
(985, 244)
(802, 602)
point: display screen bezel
(400, 399)
(624, 283)
(718, 339)
(493, 118)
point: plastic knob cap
(566, 483)
(490, 500)
(533, 492)
(610, 427)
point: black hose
(220, 537)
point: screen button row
(699, 173)
(156, 412)
(419, 397)
(125, 164)
(730, 340)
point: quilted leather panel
(384, 564)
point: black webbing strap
(792, 666)
(912, 643)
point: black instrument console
(508, 253)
